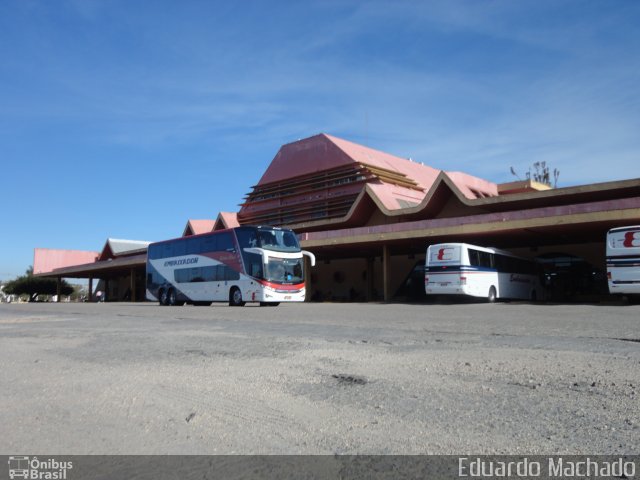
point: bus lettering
(183, 261)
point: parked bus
(623, 260)
(463, 269)
(255, 264)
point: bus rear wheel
(491, 298)
(269, 304)
(172, 298)
(163, 298)
(235, 298)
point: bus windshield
(278, 240)
(284, 270)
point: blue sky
(126, 118)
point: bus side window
(247, 238)
(179, 248)
(225, 243)
(485, 259)
(193, 246)
(209, 244)
(230, 273)
(167, 250)
(196, 275)
(209, 274)
(473, 258)
(254, 264)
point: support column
(307, 278)
(370, 279)
(58, 288)
(90, 294)
(106, 293)
(386, 275)
(133, 285)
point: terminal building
(368, 216)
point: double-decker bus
(623, 260)
(238, 265)
(463, 269)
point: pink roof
(394, 197)
(423, 175)
(46, 259)
(471, 186)
(196, 227)
(323, 152)
(226, 220)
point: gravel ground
(320, 379)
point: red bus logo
(631, 239)
(444, 253)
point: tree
(540, 174)
(27, 284)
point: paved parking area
(320, 379)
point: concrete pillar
(386, 274)
(58, 288)
(133, 285)
(90, 296)
(370, 279)
(307, 278)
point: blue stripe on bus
(624, 263)
(624, 258)
(458, 268)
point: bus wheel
(269, 304)
(163, 298)
(235, 298)
(172, 301)
(491, 298)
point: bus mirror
(312, 257)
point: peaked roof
(226, 220)
(115, 247)
(324, 177)
(324, 152)
(196, 227)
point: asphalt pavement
(510, 378)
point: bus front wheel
(235, 298)
(491, 298)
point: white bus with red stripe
(463, 269)
(238, 265)
(623, 260)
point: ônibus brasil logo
(32, 468)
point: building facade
(368, 216)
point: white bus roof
(483, 249)
(622, 229)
